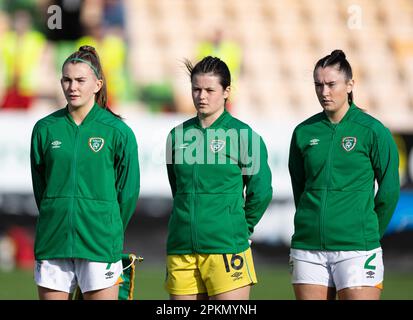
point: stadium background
(271, 47)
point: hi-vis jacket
(209, 171)
(333, 170)
(86, 185)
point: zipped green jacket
(333, 169)
(221, 186)
(86, 185)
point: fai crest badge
(217, 145)
(96, 144)
(348, 143)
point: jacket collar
(348, 116)
(89, 117)
(222, 119)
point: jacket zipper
(71, 228)
(194, 202)
(327, 186)
(194, 195)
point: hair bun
(87, 49)
(338, 54)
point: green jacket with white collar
(333, 169)
(221, 185)
(86, 185)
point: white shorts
(65, 274)
(339, 269)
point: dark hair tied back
(338, 54)
(337, 58)
(87, 48)
(89, 55)
(212, 65)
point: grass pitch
(273, 284)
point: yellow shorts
(209, 273)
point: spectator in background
(104, 29)
(335, 159)
(85, 173)
(64, 38)
(227, 50)
(113, 50)
(23, 243)
(22, 49)
(114, 14)
(4, 28)
(219, 195)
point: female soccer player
(221, 185)
(336, 156)
(85, 174)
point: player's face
(79, 85)
(208, 94)
(332, 88)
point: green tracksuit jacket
(333, 170)
(221, 185)
(86, 185)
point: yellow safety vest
(22, 57)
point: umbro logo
(109, 274)
(314, 142)
(56, 144)
(370, 274)
(237, 275)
